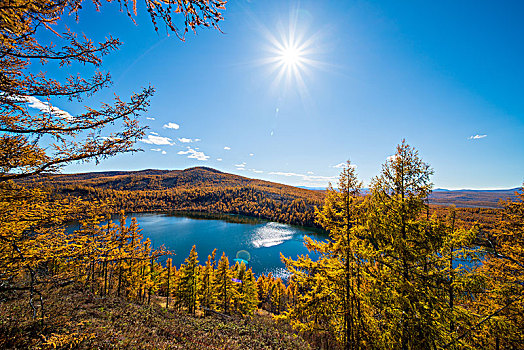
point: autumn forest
(393, 272)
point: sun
(291, 52)
(291, 56)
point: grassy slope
(81, 320)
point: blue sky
(447, 76)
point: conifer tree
(250, 294)
(239, 271)
(386, 278)
(206, 296)
(262, 290)
(502, 306)
(337, 275)
(189, 281)
(169, 280)
(278, 296)
(412, 253)
(245, 298)
(224, 289)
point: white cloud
(45, 107)
(310, 173)
(251, 154)
(241, 168)
(195, 154)
(158, 150)
(149, 118)
(341, 165)
(154, 133)
(158, 140)
(171, 126)
(309, 178)
(320, 178)
(241, 165)
(257, 171)
(227, 148)
(219, 159)
(280, 173)
(476, 137)
(187, 140)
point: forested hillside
(194, 189)
(392, 274)
(209, 190)
(472, 198)
(392, 271)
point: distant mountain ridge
(153, 179)
(472, 198)
(195, 177)
(464, 198)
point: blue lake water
(258, 241)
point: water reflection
(258, 242)
(278, 272)
(272, 234)
(230, 218)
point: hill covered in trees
(391, 275)
(209, 190)
(472, 198)
(152, 179)
(194, 189)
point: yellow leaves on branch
(79, 137)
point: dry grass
(76, 319)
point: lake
(258, 241)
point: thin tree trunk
(168, 277)
(451, 279)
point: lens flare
(290, 54)
(242, 256)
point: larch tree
(411, 254)
(169, 276)
(501, 306)
(388, 276)
(36, 137)
(224, 288)
(250, 294)
(333, 283)
(340, 215)
(188, 283)
(206, 281)
(400, 249)
(245, 298)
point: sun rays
(290, 55)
